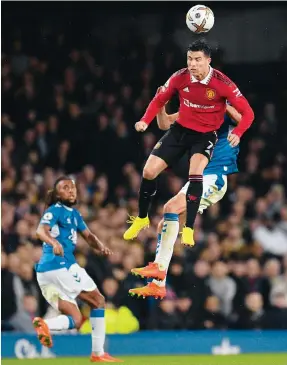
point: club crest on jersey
(157, 146)
(210, 94)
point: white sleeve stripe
(237, 92)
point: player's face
(67, 192)
(198, 64)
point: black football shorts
(179, 140)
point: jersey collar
(207, 78)
(64, 206)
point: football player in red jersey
(203, 92)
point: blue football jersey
(224, 159)
(64, 224)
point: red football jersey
(202, 103)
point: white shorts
(214, 189)
(65, 284)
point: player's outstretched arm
(241, 104)
(95, 243)
(233, 139)
(159, 101)
(43, 234)
(233, 114)
(165, 120)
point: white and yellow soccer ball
(200, 19)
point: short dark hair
(200, 45)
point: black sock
(193, 197)
(147, 191)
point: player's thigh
(176, 204)
(58, 284)
(70, 309)
(86, 282)
(197, 164)
(170, 148)
(214, 189)
(201, 152)
(89, 292)
(153, 167)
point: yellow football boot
(187, 237)
(137, 225)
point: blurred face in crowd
(41, 128)
(283, 213)
(198, 64)
(64, 148)
(234, 233)
(239, 269)
(184, 304)
(253, 268)
(30, 304)
(279, 300)
(26, 272)
(167, 306)
(137, 252)
(22, 228)
(201, 269)
(110, 287)
(29, 136)
(176, 269)
(128, 262)
(89, 173)
(4, 260)
(219, 270)
(254, 302)
(261, 206)
(67, 192)
(13, 263)
(272, 268)
(212, 304)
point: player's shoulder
(54, 208)
(52, 211)
(180, 73)
(175, 77)
(76, 212)
(221, 77)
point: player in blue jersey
(59, 276)
(223, 163)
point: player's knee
(150, 172)
(98, 301)
(101, 301)
(77, 317)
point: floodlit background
(75, 79)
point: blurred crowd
(67, 109)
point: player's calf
(96, 301)
(153, 167)
(72, 314)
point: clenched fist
(141, 126)
(233, 140)
(58, 249)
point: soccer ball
(200, 19)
